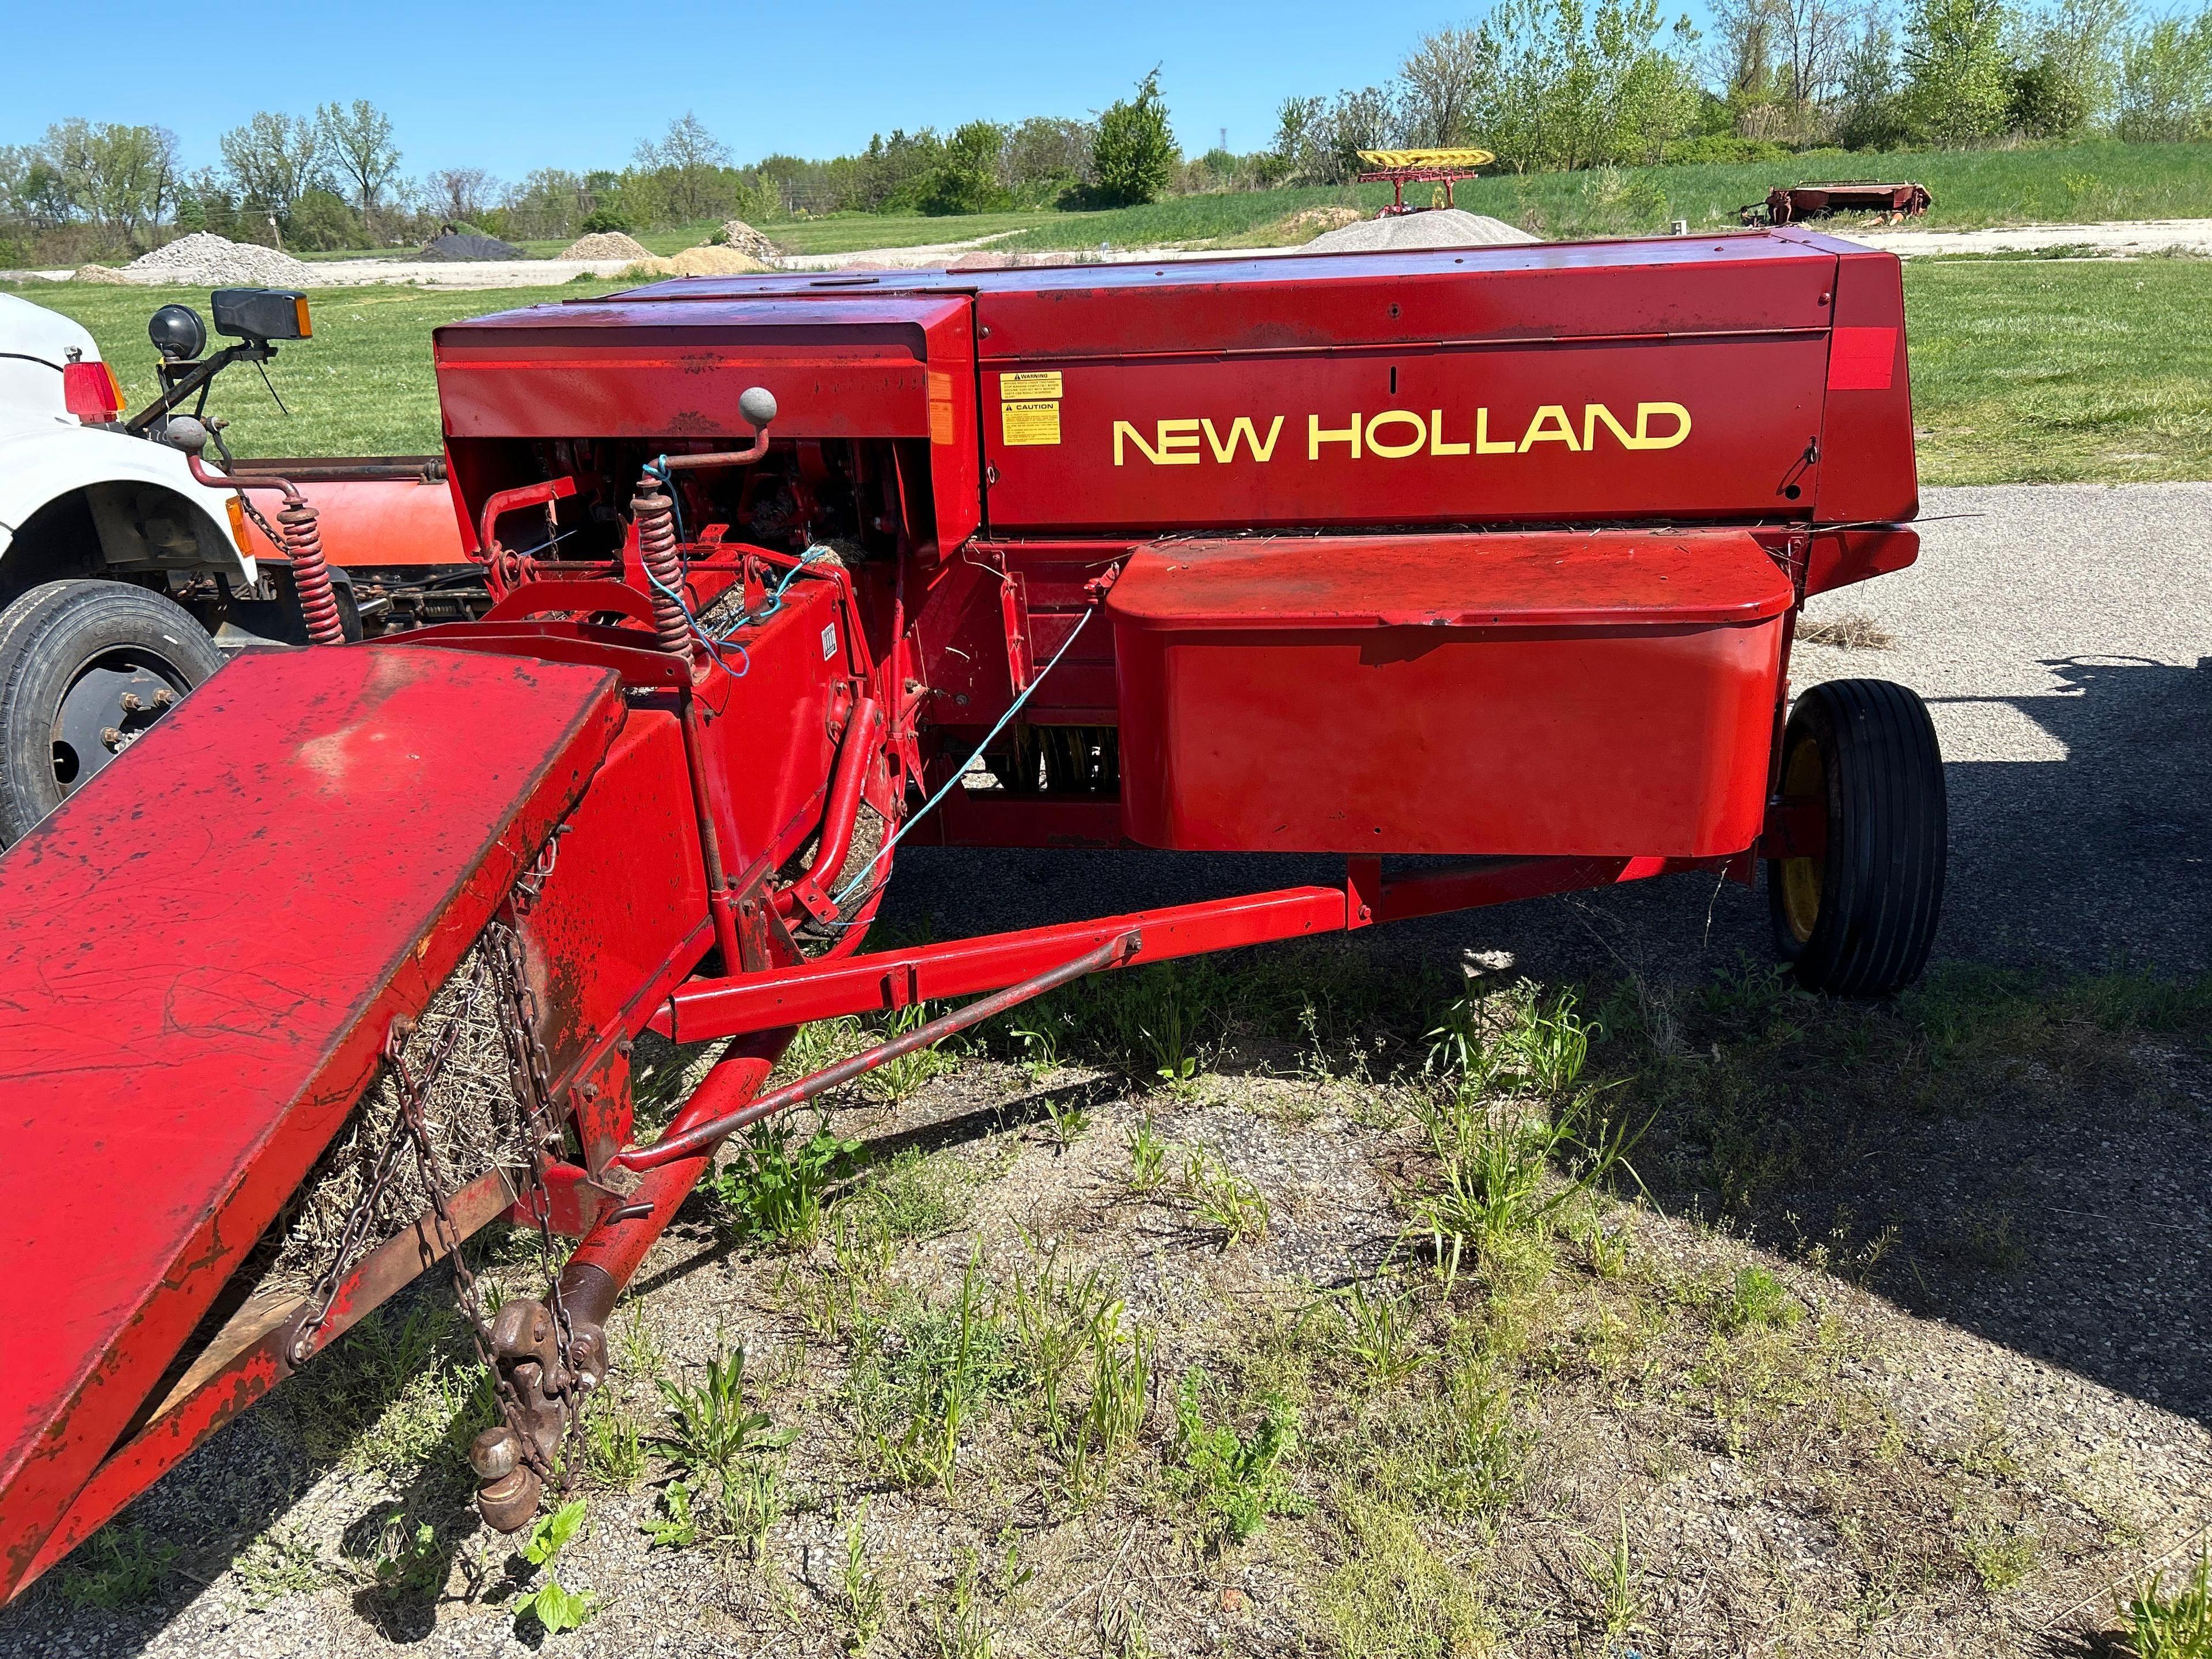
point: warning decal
(1031, 383)
(1031, 423)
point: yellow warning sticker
(940, 422)
(1036, 422)
(1031, 383)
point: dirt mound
(715, 261)
(204, 259)
(1433, 227)
(454, 245)
(606, 245)
(99, 274)
(1309, 222)
(737, 234)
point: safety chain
(409, 1125)
(534, 1087)
(503, 968)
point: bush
(607, 219)
(965, 178)
(1135, 153)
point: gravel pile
(458, 245)
(1434, 228)
(98, 273)
(204, 259)
(714, 261)
(737, 234)
(607, 244)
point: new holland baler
(1490, 555)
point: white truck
(123, 579)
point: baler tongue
(201, 956)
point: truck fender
(37, 468)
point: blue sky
(508, 87)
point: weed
(773, 1190)
(916, 1196)
(1148, 1157)
(614, 1450)
(863, 1593)
(900, 1079)
(1614, 1575)
(1458, 1453)
(552, 1605)
(276, 1565)
(713, 1435)
(1121, 1384)
(1069, 1117)
(1518, 1040)
(1759, 1301)
(1040, 1043)
(1494, 1197)
(404, 1560)
(1851, 633)
(397, 1390)
(119, 1568)
(1228, 1201)
(923, 1378)
(962, 1632)
(2176, 1626)
(2001, 1556)
(1237, 1483)
(1378, 1332)
(1396, 1597)
(1052, 1317)
(641, 1350)
(677, 1525)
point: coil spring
(311, 573)
(654, 515)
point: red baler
(1493, 555)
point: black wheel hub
(110, 703)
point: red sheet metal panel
(862, 367)
(378, 522)
(1609, 694)
(200, 954)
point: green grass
(362, 386)
(2031, 370)
(2024, 371)
(2076, 184)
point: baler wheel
(85, 668)
(1858, 919)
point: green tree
(274, 160)
(1134, 154)
(120, 180)
(1958, 74)
(357, 139)
(1440, 79)
(1567, 84)
(966, 177)
(2166, 82)
(1868, 113)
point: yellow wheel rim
(1803, 778)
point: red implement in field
(1801, 202)
(1493, 554)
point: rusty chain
(501, 967)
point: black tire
(67, 651)
(1859, 919)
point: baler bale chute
(1492, 555)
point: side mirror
(177, 333)
(261, 314)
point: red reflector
(90, 391)
(1861, 359)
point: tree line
(1544, 84)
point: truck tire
(75, 656)
(1858, 919)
